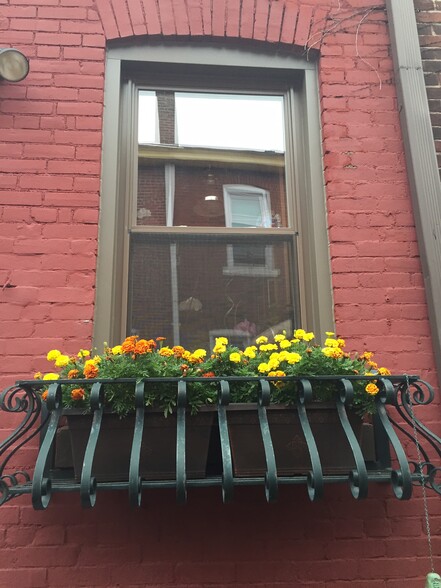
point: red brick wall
(50, 152)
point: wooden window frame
(304, 169)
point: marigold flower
(341, 342)
(285, 344)
(331, 342)
(279, 338)
(166, 352)
(250, 352)
(83, 353)
(294, 358)
(261, 340)
(372, 364)
(328, 351)
(263, 368)
(142, 346)
(329, 333)
(53, 354)
(72, 374)
(372, 389)
(337, 353)
(38, 376)
(273, 363)
(299, 334)
(62, 360)
(199, 353)
(184, 367)
(308, 336)
(117, 350)
(383, 371)
(235, 357)
(161, 338)
(219, 348)
(366, 355)
(208, 375)
(178, 350)
(90, 370)
(277, 374)
(77, 394)
(128, 346)
(44, 395)
(221, 341)
(51, 376)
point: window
(210, 218)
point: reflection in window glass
(172, 296)
(148, 127)
(230, 121)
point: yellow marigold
(235, 357)
(90, 370)
(194, 359)
(38, 376)
(383, 371)
(299, 334)
(221, 341)
(199, 353)
(328, 351)
(62, 360)
(341, 342)
(263, 368)
(273, 363)
(117, 350)
(261, 340)
(285, 344)
(294, 358)
(308, 336)
(72, 374)
(219, 348)
(166, 352)
(186, 354)
(268, 347)
(51, 376)
(329, 333)
(366, 355)
(77, 394)
(372, 389)
(372, 364)
(295, 341)
(250, 352)
(279, 338)
(331, 342)
(83, 353)
(53, 354)
(284, 355)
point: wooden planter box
(290, 448)
(158, 450)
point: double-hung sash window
(207, 204)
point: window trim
(314, 286)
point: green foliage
(150, 361)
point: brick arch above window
(291, 22)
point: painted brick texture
(50, 155)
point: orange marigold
(178, 350)
(90, 371)
(77, 394)
(128, 346)
(142, 346)
(44, 395)
(208, 375)
(72, 374)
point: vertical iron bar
(181, 477)
(88, 483)
(135, 486)
(271, 488)
(227, 462)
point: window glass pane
(192, 289)
(148, 127)
(230, 121)
(224, 139)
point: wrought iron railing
(406, 451)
